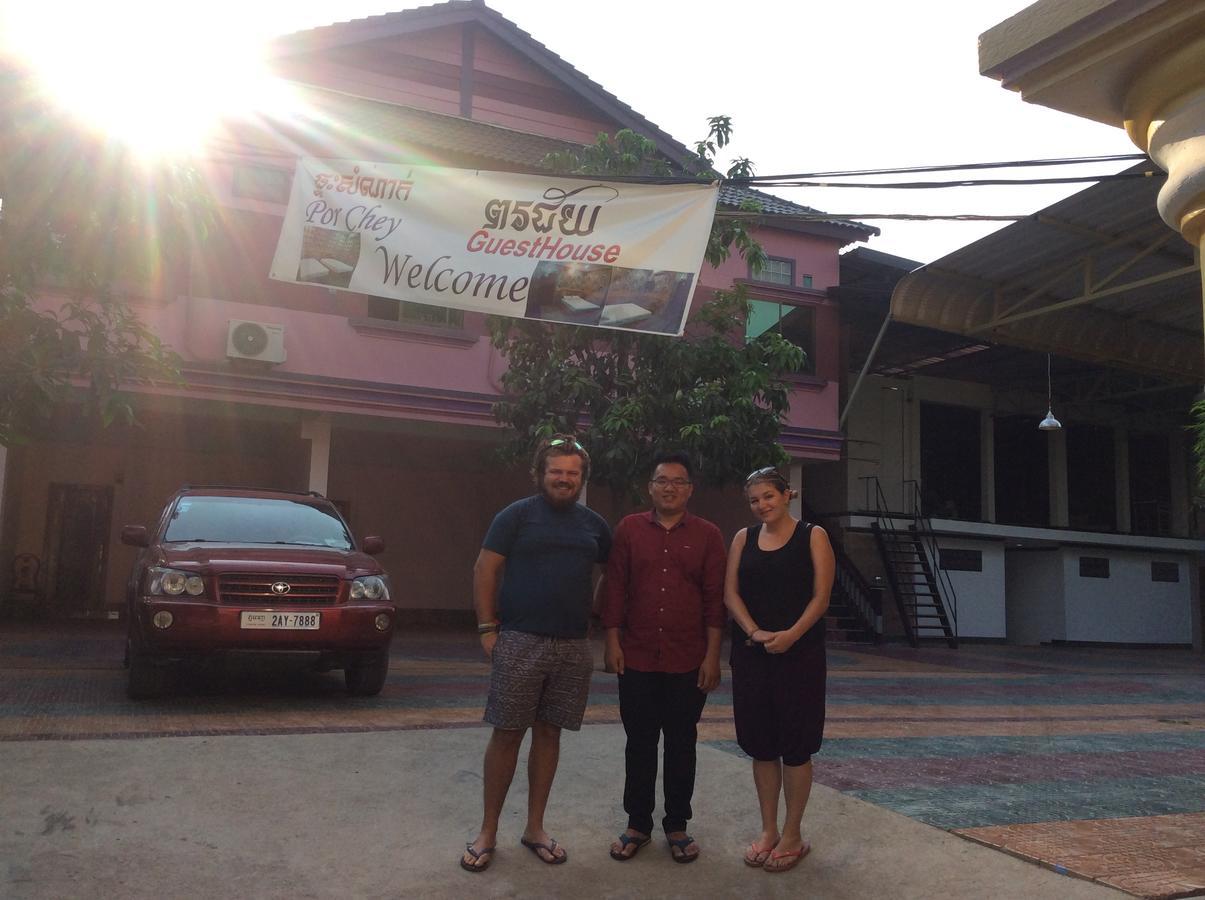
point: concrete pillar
(4, 529)
(1181, 491)
(1056, 462)
(317, 431)
(1165, 116)
(796, 477)
(987, 465)
(3, 473)
(1121, 478)
(1194, 586)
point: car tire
(366, 676)
(147, 679)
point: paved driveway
(1091, 762)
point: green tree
(630, 395)
(80, 219)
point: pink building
(383, 406)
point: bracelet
(488, 627)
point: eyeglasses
(559, 442)
(670, 482)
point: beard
(558, 502)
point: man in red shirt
(664, 614)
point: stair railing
(928, 539)
(885, 524)
(864, 601)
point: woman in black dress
(780, 575)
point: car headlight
(370, 587)
(173, 582)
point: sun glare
(157, 77)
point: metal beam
(1085, 298)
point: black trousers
(652, 704)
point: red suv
(244, 570)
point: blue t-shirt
(550, 555)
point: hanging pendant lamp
(1050, 423)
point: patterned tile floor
(1085, 760)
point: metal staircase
(923, 593)
(855, 610)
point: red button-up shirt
(664, 589)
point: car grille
(256, 590)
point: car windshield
(256, 520)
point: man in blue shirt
(532, 592)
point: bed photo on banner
(550, 247)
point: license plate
(288, 621)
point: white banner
(546, 247)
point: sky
(809, 86)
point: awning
(1097, 277)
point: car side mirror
(135, 536)
(372, 545)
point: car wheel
(147, 679)
(366, 676)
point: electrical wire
(1007, 164)
(906, 217)
(969, 182)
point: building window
(262, 183)
(1090, 464)
(1093, 567)
(961, 560)
(805, 281)
(1165, 571)
(795, 323)
(775, 270)
(414, 313)
(950, 462)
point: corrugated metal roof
(1097, 276)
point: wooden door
(76, 548)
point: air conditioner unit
(260, 341)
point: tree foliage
(1197, 427)
(631, 395)
(80, 221)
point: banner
(547, 247)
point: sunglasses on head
(767, 472)
(560, 442)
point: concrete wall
(1128, 605)
(1033, 582)
(981, 604)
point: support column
(987, 466)
(1056, 462)
(318, 432)
(1180, 488)
(1165, 116)
(1121, 478)
(796, 477)
(4, 574)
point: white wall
(1033, 581)
(1127, 607)
(981, 609)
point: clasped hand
(774, 641)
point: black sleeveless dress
(778, 699)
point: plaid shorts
(537, 678)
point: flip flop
(756, 861)
(681, 843)
(793, 855)
(477, 854)
(535, 847)
(626, 840)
